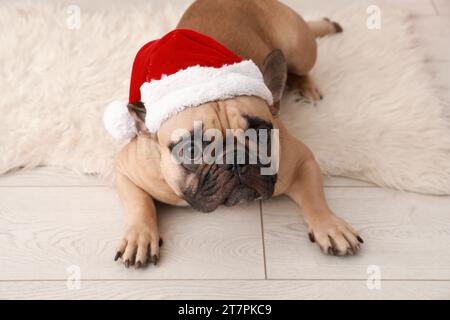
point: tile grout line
(263, 240)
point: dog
(283, 46)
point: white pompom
(118, 121)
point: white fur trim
(196, 85)
(118, 121)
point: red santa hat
(183, 69)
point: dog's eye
(258, 124)
(188, 152)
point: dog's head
(222, 152)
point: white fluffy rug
(380, 120)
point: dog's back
(250, 28)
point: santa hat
(182, 69)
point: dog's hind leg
(298, 77)
(296, 38)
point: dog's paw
(335, 236)
(306, 88)
(139, 246)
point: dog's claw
(155, 259)
(330, 251)
(360, 239)
(138, 264)
(160, 242)
(118, 255)
(127, 263)
(311, 237)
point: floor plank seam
(212, 279)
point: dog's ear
(138, 112)
(275, 74)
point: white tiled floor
(51, 220)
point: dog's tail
(324, 27)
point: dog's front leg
(140, 242)
(334, 235)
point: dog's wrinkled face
(220, 174)
(235, 174)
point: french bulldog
(283, 46)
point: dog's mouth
(241, 194)
(229, 185)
